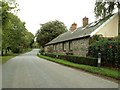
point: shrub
(18, 49)
(79, 60)
(109, 51)
(75, 59)
(41, 51)
(50, 55)
(69, 52)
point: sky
(36, 12)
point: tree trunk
(2, 52)
(6, 52)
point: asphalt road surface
(30, 71)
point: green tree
(28, 39)
(35, 45)
(49, 31)
(15, 36)
(4, 14)
(12, 33)
(103, 8)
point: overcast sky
(36, 12)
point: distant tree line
(14, 36)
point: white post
(99, 59)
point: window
(64, 46)
(70, 45)
(55, 47)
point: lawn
(99, 71)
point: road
(30, 71)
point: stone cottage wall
(58, 48)
(78, 47)
(49, 49)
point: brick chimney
(85, 21)
(73, 27)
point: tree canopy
(15, 36)
(49, 31)
(103, 8)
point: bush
(50, 55)
(75, 59)
(41, 51)
(17, 49)
(69, 52)
(109, 51)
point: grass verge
(100, 71)
(4, 59)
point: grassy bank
(99, 71)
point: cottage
(77, 40)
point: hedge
(75, 59)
